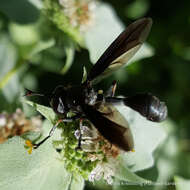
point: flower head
(16, 124)
(80, 13)
(86, 152)
(71, 16)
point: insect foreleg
(50, 134)
(69, 119)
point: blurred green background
(33, 51)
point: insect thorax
(90, 96)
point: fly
(87, 103)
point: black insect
(85, 102)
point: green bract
(76, 161)
(55, 13)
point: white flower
(90, 143)
(105, 170)
(80, 13)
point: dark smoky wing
(122, 49)
(115, 133)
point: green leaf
(31, 35)
(40, 171)
(69, 50)
(137, 9)
(105, 30)
(124, 174)
(21, 11)
(30, 43)
(40, 46)
(147, 136)
(9, 82)
(168, 155)
(77, 183)
(181, 183)
(7, 55)
(47, 112)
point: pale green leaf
(77, 183)
(9, 82)
(123, 173)
(147, 136)
(40, 171)
(47, 112)
(51, 117)
(168, 155)
(70, 51)
(40, 46)
(181, 183)
(7, 55)
(30, 32)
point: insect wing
(112, 126)
(121, 50)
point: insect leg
(112, 89)
(31, 93)
(54, 127)
(50, 134)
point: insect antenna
(32, 93)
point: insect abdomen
(148, 105)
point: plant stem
(69, 59)
(8, 75)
